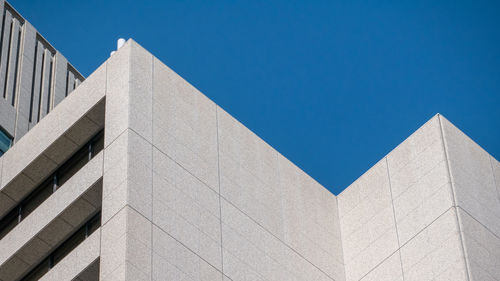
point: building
(34, 77)
(138, 176)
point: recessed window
(5, 142)
(43, 191)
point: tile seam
(196, 202)
(471, 176)
(438, 189)
(405, 190)
(455, 204)
(18, 252)
(219, 179)
(116, 213)
(379, 264)
(260, 250)
(420, 178)
(269, 145)
(248, 265)
(429, 254)
(8, 196)
(394, 216)
(177, 139)
(117, 137)
(422, 230)
(179, 268)
(490, 210)
(189, 222)
(185, 169)
(413, 158)
(277, 238)
(486, 271)
(125, 233)
(252, 172)
(340, 237)
(495, 180)
(487, 228)
(114, 187)
(282, 197)
(152, 166)
(375, 240)
(183, 245)
(35, 181)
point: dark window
(51, 184)
(5, 142)
(38, 271)
(68, 246)
(65, 248)
(36, 198)
(9, 222)
(72, 166)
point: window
(5, 142)
(51, 184)
(64, 248)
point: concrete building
(34, 77)
(138, 176)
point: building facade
(138, 176)
(34, 76)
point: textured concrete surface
(189, 193)
(52, 222)
(194, 175)
(76, 262)
(445, 202)
(227, 197)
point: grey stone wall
(189, 193)
(429, 210)
(476, 188)
(193, 194)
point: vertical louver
(10, 42)
(34, 76)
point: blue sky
(332, 85)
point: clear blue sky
(333, 85)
